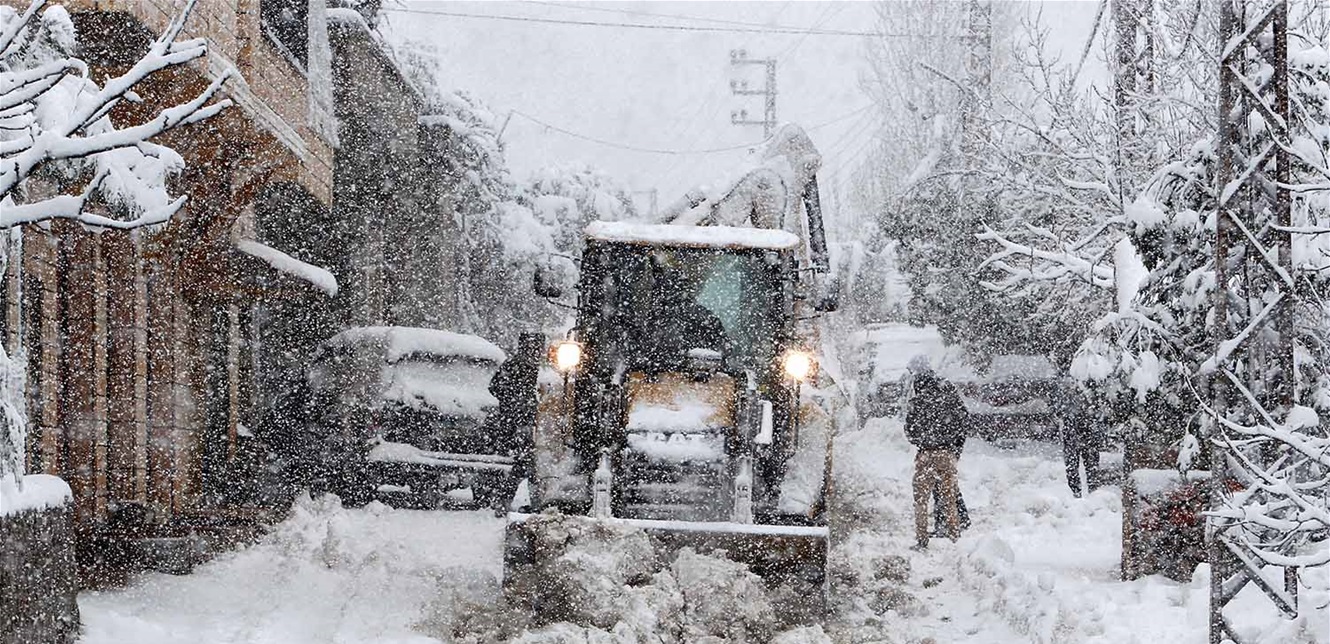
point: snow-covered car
(882, 352)
(401, 414)
(1016, 397)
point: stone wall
(38, 581)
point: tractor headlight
(798, 365)
(567, 355)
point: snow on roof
(697, 236)
(320, 277)
(402, 341)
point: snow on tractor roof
(401, 341)
(685, 235)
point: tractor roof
(690, 236)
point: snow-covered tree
(568, 198)
(1154, 348)
(63, 157)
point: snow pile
(589, 569)
(326, 574)
(604, 584)
(32, 492)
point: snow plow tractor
(687, 402)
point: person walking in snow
(1080, 440)
(934, 424)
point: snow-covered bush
(61, 156)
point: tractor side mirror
(547, 283)
(555, 275)
(827, 293)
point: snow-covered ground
(1037, 566)
(325, 575)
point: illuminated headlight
(567, 355)
(798, 365)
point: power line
(673, 16)
(794, 31)
(634, 148)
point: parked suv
(399, 414)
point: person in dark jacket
(1080, 440)
(513, 421)
(934, 423)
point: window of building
(287, 23)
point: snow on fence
(38, 583)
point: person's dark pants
(1080, 448)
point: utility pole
(739, 57)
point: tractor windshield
(665, 304)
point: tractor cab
(686, 362)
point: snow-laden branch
(1227, 347)
(1058, 264)
(64, 117)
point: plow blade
(790, 559)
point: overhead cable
(634, 148)
(672, 16)
(793, 31)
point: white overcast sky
(663, 89)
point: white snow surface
(320, 277)
(688, 414)
(390, 452)
(452, 389)
(695, 236)
(677, 447)
(1129, 273)
(34, 492)
(327, 574)
(1038, 565)
(401, 341)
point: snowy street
(324, 575)
(1037, 565)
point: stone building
(327, 197)
(394, 190)
(142, 347)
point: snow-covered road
(1037, 566)
(325, 575)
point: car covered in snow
(1016, 397)
(401, 413)
(882, 352)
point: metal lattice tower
(1253, 376)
